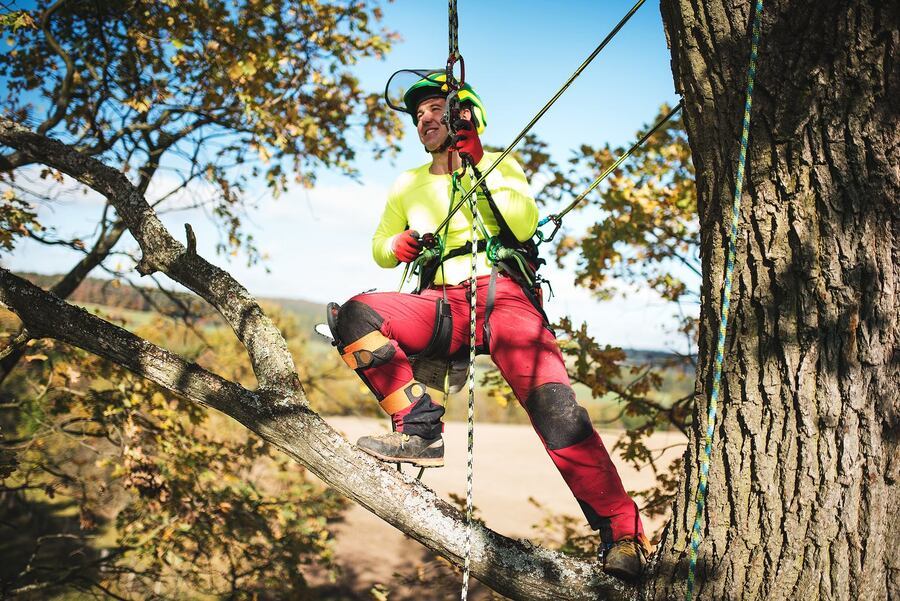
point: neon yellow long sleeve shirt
(420, 201)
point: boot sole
(624, 575)
(410, 460)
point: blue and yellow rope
(726, 301)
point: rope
(557, 218)
(470, 461)
(453, 30)
(541, 112)
(726, 301)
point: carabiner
(557, 221)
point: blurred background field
(332, 388)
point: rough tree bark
(804, 493)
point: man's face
(432, 131)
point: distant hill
(120, 295)
(114, 293)
(307, 312)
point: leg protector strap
(373, 349)
(403, 397)
(442, 335)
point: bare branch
(65, 88)
(269, 355)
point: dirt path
(511, 465)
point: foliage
(217, 95)
(542, 171)
(17, 218)
(15, 19)
(647, 227)
(122, 488)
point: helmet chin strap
(447, 143)
(443, 147)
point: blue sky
(517, 55)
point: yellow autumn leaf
(235, 71)
(141, 105)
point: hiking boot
(397, 447)
(626, 558)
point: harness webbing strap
(506, 232)
(488, 309)
(726, 301)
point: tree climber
(377, 332)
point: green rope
(470, 462)
(726, 301)
(543, 110)
(557, 218)
(496, 252)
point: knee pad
(557, 416)
(358, 331)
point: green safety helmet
(430, 84)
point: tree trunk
(804, 495)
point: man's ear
(465, 113)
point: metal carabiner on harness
(557, 222)
(432, 250)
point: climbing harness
(556, 218)
(726, 301)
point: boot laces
(390, 436)
(629, 547)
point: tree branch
(65, 88)
(269, 355)
(514, 568)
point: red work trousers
(527, 355)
